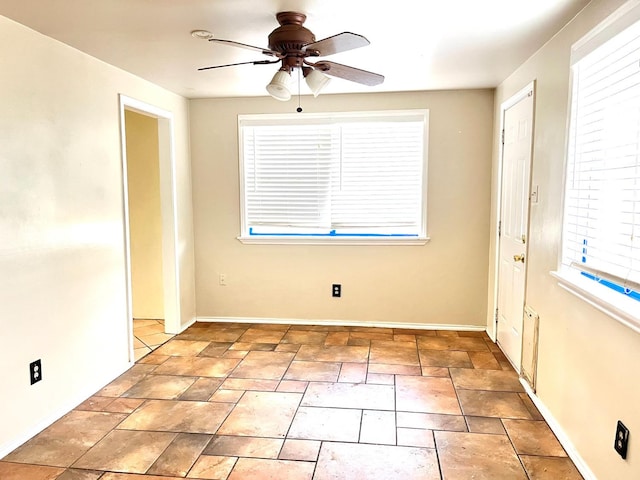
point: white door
(514, 221)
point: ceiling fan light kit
(291, 44)
(278, 88)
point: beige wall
(145, 215)
(589, 364)
(62, 254)
(442, 282)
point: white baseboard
(563, 438)
(88, 391)
(344, 323)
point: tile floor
(148, 335)
(238, 401)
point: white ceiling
(415, 44)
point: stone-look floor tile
(304, 337)
(446, 333)
(467, 344)
(197, 367)
(258, 469)
(359, 342)
(263, 365)
(95, 404)
(177, 416)
(388, 331)
(215, 349)
(124, 405)
(413, 437)
(431, 421)
(414, 331)
(394, 355)
(18, 471)
(395, 369)
(274, 410)
(182, 348)
(202, 389)
(257, 335)
(497, 380)
(484, 403)
(533, 410)
(235, 354)
(533, 438)
(394, 344)
(250, 384)
(404, 337)
(292, 386)
(227, 396)
(550, 468)
(378, 427)
(426, 395)
(301, 450)
(349, 395)
(380, 379)
(444, 358)
(375, 462)
(337, 338)
(232, 446)
(168, 387)
(485, 360)
(126, 451)
(180, 455)
(287, 347)
(127, 380)
(253, 347)
(313, 371)
(152, 359)
(155, 339)
(220, 336)
(135, 476)
(331, 424)
(353, 373)
(333, 353)
(66, 440)
(212, 467)
(485, 425)
(76, 474)
(435, 372)
(478, 456)
(372, 335)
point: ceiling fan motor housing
(290, 37)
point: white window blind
(348, 175)
(601, 234)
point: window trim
(608, 301)
(273, 119)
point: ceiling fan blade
(258, 62)
(264, 51)
(338, 43)
(349, 73)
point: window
(350, 177)
(601, 231)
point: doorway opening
(150, 228)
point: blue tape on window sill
(613, 286)
(333, 233)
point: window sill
(609, 302)
(301, 240)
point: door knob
(519, 258)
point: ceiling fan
(291, 44)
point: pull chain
(299, 109)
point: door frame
(170, 259)
(504, 106)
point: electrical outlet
(336, 290)
(35, 371)
(222, 279)
(622, 440)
